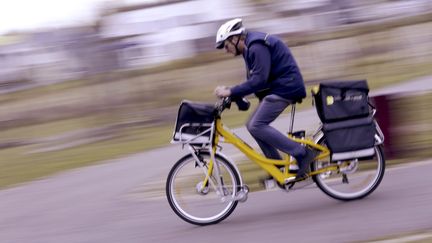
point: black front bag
(193, 119)
(343, 108)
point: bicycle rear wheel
(355, 179)
(198, 204)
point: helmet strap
(236, 46)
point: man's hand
(222, 91)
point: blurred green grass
(21, 164)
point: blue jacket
(271, 69)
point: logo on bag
(331, 99)
(353, 98)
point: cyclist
(274, 77)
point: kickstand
(345, 179)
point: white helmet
(230, 28)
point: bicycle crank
(350, 168)
(295, 185)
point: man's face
(230, 43)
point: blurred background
(88, 81)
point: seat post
(291, 126)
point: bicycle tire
(177, 204)
(324, 180)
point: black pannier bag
(350, 139)
(192, 120)
(337, 101)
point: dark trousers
(268, 138)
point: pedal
(293, 179)
(269, 184)
(294, 184)
(290, 180)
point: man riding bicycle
(274, 77)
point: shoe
(304, 165)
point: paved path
(84, 210)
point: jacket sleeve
(260, 62)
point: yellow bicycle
(205, 186)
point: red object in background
(385, 120)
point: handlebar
(225, 103)
(222, 104)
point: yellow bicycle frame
(268, 165)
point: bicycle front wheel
(355, 179)
(197, 201)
